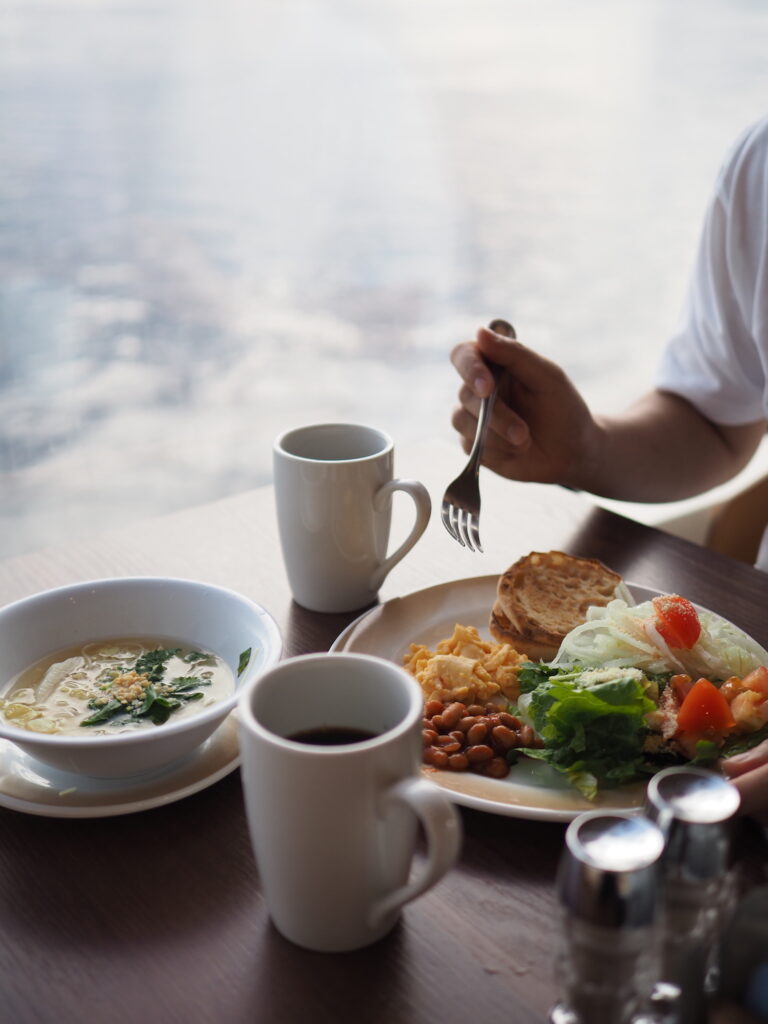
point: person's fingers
(524, 364)
(471, 360)
(505, 422)
(465, 423)
(498, 454)
(469, 400)
(753, 787)
(749, 773)
(472, 368)
(746, 762)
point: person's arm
(661, 449)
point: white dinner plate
(29, 785)
(532, 789)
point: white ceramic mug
(334, 827)
(333, 487)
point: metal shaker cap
(693, 807)
(608, 872)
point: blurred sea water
(221, 219)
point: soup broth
(112, 686)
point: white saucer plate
(32, 787)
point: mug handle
(442, 826)
(421, 499)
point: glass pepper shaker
(607, 889)
(694, 808)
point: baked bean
(479, 753)
(429, 736)
(503, 738)
(458, 763)
(477, 733)
(496, 768)
(433, 707)
(475, 709)
(527, 736)
(437, 758)
(510, 721)
(452, 714)
(467, 722)
(447, 741)
(458, 735)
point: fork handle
(504, 327)
(499, 326)
(483, 419)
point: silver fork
(460, 510)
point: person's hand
(541, 428)
(749, 773)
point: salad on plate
(638, 687)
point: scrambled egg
(466, 668)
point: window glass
(219, 219)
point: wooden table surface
(157, 916)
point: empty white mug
(333, 487)
(334, 824)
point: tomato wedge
(705, 713)
(677, 621)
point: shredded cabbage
(620, 635)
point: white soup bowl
(200, 615)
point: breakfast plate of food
(557, 687)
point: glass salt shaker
(694, 808)
(607, 889)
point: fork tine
(456, 521)
(463, 529)
(474, 531)
(445, 515)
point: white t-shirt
(718, 358)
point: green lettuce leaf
(532, 674)
(592, 733)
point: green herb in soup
(111, 686)
(245, 657)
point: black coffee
(331, 735)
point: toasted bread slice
(544, 595)
(502, 631)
